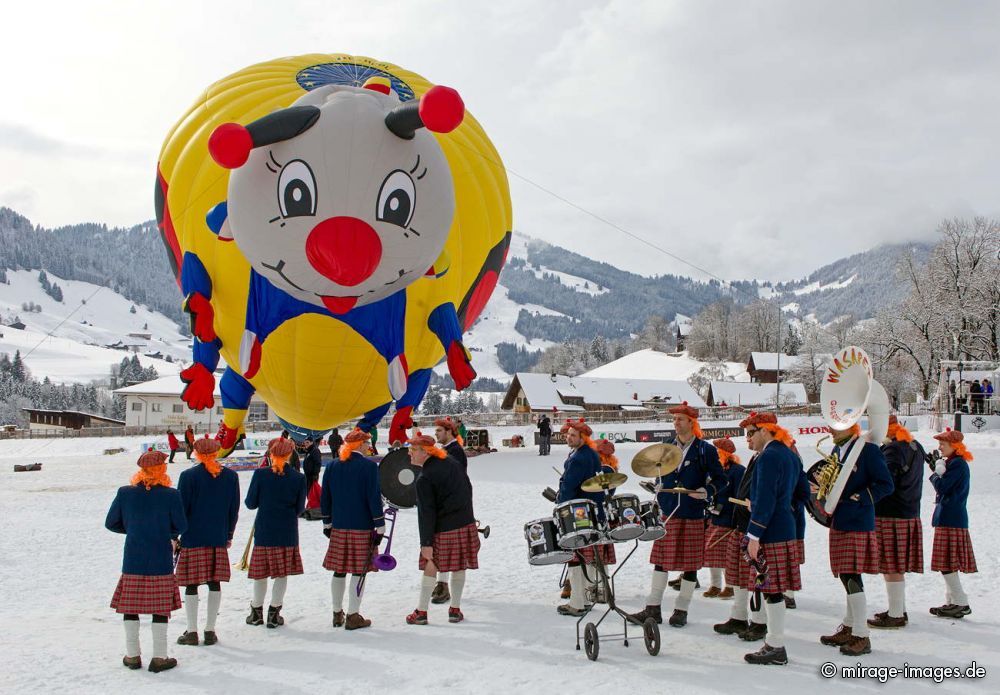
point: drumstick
(558, 472)
(742, 503)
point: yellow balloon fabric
(315, 370)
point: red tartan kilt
(853, 552)
(737, 570)
(455, 550)
(952, 550)
(139, 593)
(274, 562)
(715, 555)
(800, 548)
(349, 551)
(782, 568)
(607, 551)
(901, 545)
(202, 565)
(683, 546)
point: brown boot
(732, 626)
(338, 618)
(678, 618)
(210, 638)
(567, 590)
(726, 593)
(158, 663)
(754, 632)
(712, 592)
(440, 593)
(188, 638)
(857, 646)
(839, 638)
(884, 621)
(132, 662)
(647, 612)
(355, 621)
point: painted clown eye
(297, 190)
(396, 199)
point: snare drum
(542, 546)
(577, 523)
(623, 518)
(649, 513)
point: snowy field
(59, 567)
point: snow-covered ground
(59, 567)
(817, 287)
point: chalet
(558, 393)
(768, 367)
(734, 393)
(158, 403)
(39, 419)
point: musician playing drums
(722, 524)
(897, 523)
(149, 512)
(351, 503)
(952, 551)
(449, 541)
(771, 534)
(278, 493)
(211, 498)
(446, 434)
(853, 544)
(683, 546)
(582, 463)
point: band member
(446, 434)
(278, 493)
(211, 498)
(722, 525)
(853, 544)
(771, 535)
(582, 463)
(800, 499)
(149, 512)
(353, 521)
(449, 541)
(683, 546)
(897, 523)
(952, 551)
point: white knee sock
(848, 620)
(259, 591)
(337, 585)
(789, 594)
(656, 588)
(191, 611)
(457, 587)
(443, 576)
(353, 599)
(426, 588)
(160, 640)
(577, 595)
(278, 591)
(897, 598)
(716, 573)
(683, 599)
(859, 613)
(955, 591)
(214, 602)
(590, 579)
(759, 617)
(775, 624)
(740, 604)
(131, 637)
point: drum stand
(591, 641)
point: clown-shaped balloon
(345, 215)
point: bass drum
(814, 506)
(397, 478)
(543, 547)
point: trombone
(244, 564)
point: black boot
(256, 616)
(767, 655)
(678, 618)
(647, 612)
(274, 618)
(732, 626)
(754, 632)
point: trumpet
(244, 564)
(826, 475)
(485, 530)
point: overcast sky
(755, 139)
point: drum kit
(580, 523)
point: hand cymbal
(603, 481)
(657, 460)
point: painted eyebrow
(278, 164)
(417, 165)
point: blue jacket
(581, 464)
(870, 481)
(734, 473)
(149, 519)
(279, 500)
(456, 451)
(952, 490)
(211, 505)
(905, 461)
(799, 500)
(700, 463)
(775, 478)
(352, 495)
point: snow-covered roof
(683, 324)
(734, 393)
(164, 386)
(544, 391)
(768, 361)
(653, 364)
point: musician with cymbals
(771, 535)
(149, 512)
(897, 523)
(210, 494)
(682, 548)
(952, 552)
(721, 524)
(446, 435)
(353, 520)
(854, 546)
(449, 540)
(278, 493)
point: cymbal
(680, 490)
(603, 481)
(657, 460)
